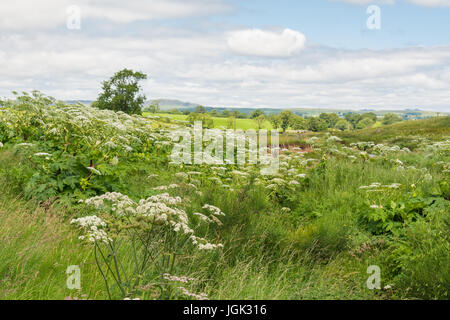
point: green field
(98, 190)
(243, 124)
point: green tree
(274, 121)
(364, 123)
(205, 118)
(316, 124)
(241, 115)
(390, 118)
(369, 115)
(174, 111)
(122, 92)
(225, 113)
(342, 125)
(330, 119)
(285, 119)
(200, 109)
(353, 118)
(154, 108)
(260, 121)
(256, 113)
(231, 123)
(298, 123)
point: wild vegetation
(97, 189)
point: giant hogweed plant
(78, 147)
(154, 232)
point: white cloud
(45, 14)
(256, 42)
(203, 71)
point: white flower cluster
(93, 170)
(24, 144)
(380, 148)
(334, 139)
(92, 225)
(209, 246)
(157, 208)
(182, 175)
(104, 130)
(120, 204)
(214, 210)
(439, 146)
(183, 279)
(171, 186)
(376, 186)
(42, 154)
(201, 296)
(202, 217)
(165, 198)
(160, 212)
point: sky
(335, 54)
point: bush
(423, 258)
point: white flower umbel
(201, 296)
(120, 204)
(92, 225)
(214, 210)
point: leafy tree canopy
(200, 109)
(286, 119)
(256, 113)
(122, 92)
(342, 125)
(316, 124)
(390, 118)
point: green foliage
(260, 121)
(200, 109)
(353, 118)
(330, 118)
(364, 123)
(285, 119)
(423, 256)
(434, 128)
(299, 123)
(122, 93)
(153, 108)
(79, 148)
(390, 118)
(256, 113)
(342, 125)
(275, 121)
(394, 217)
(317, 124)
(206, 120)
(369, 115)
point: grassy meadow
(97, 189)
(242, 124)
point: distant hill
(167, 104)
(87, 102)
